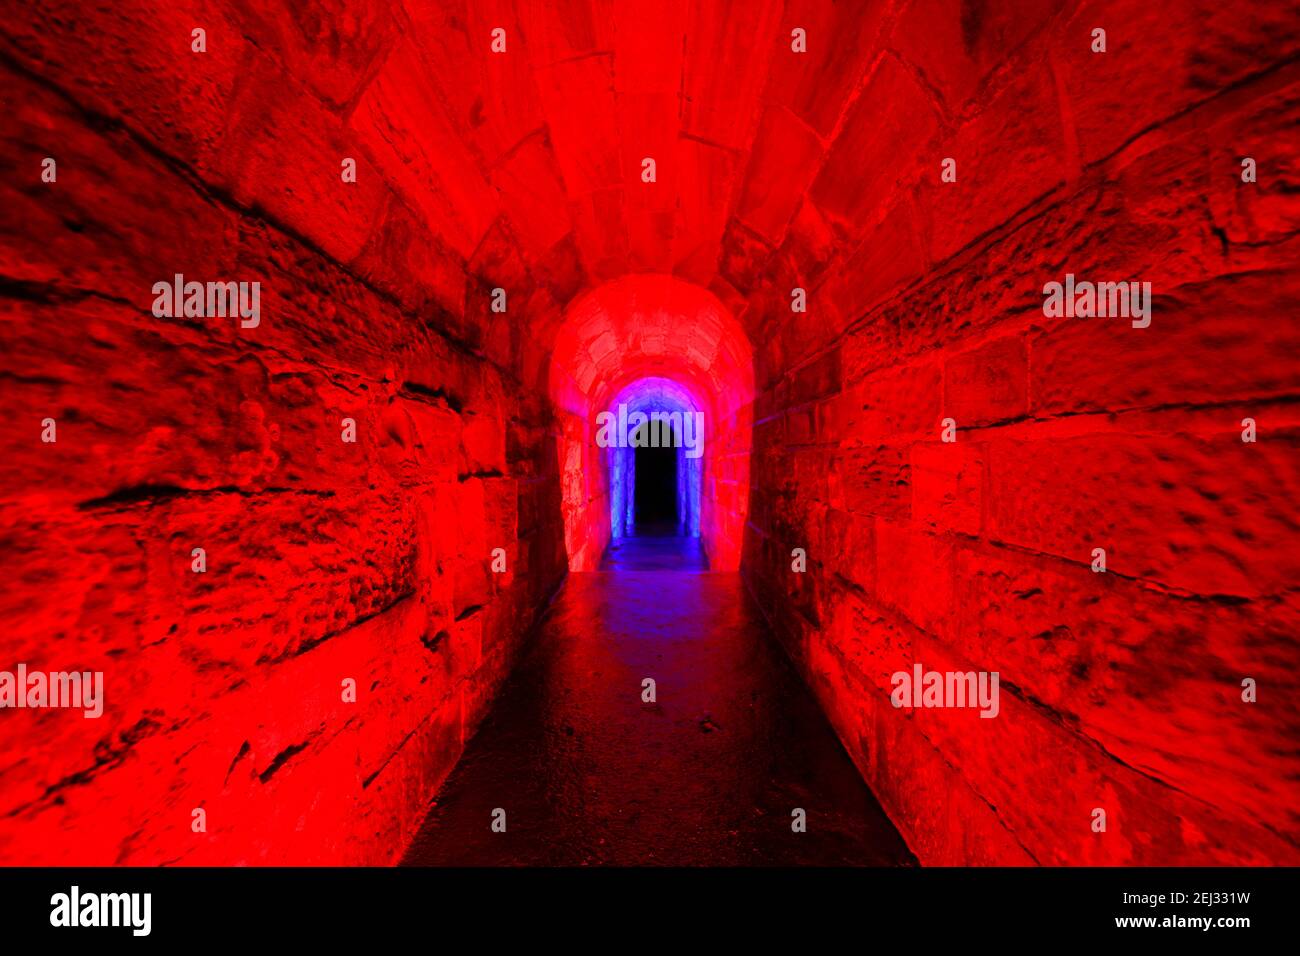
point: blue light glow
(649, 395)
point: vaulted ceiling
(551, 135)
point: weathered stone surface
(326, 561)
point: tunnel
(570, 433)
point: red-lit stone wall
(1120, 690)
(638, 327)
(326, 561)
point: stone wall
(1121, 691)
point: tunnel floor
(709, 774)
(657, 548)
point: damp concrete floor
(709, 773)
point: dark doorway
(656, 487)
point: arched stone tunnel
(329, 553)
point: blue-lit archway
(666, 397)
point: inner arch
(658, 342)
